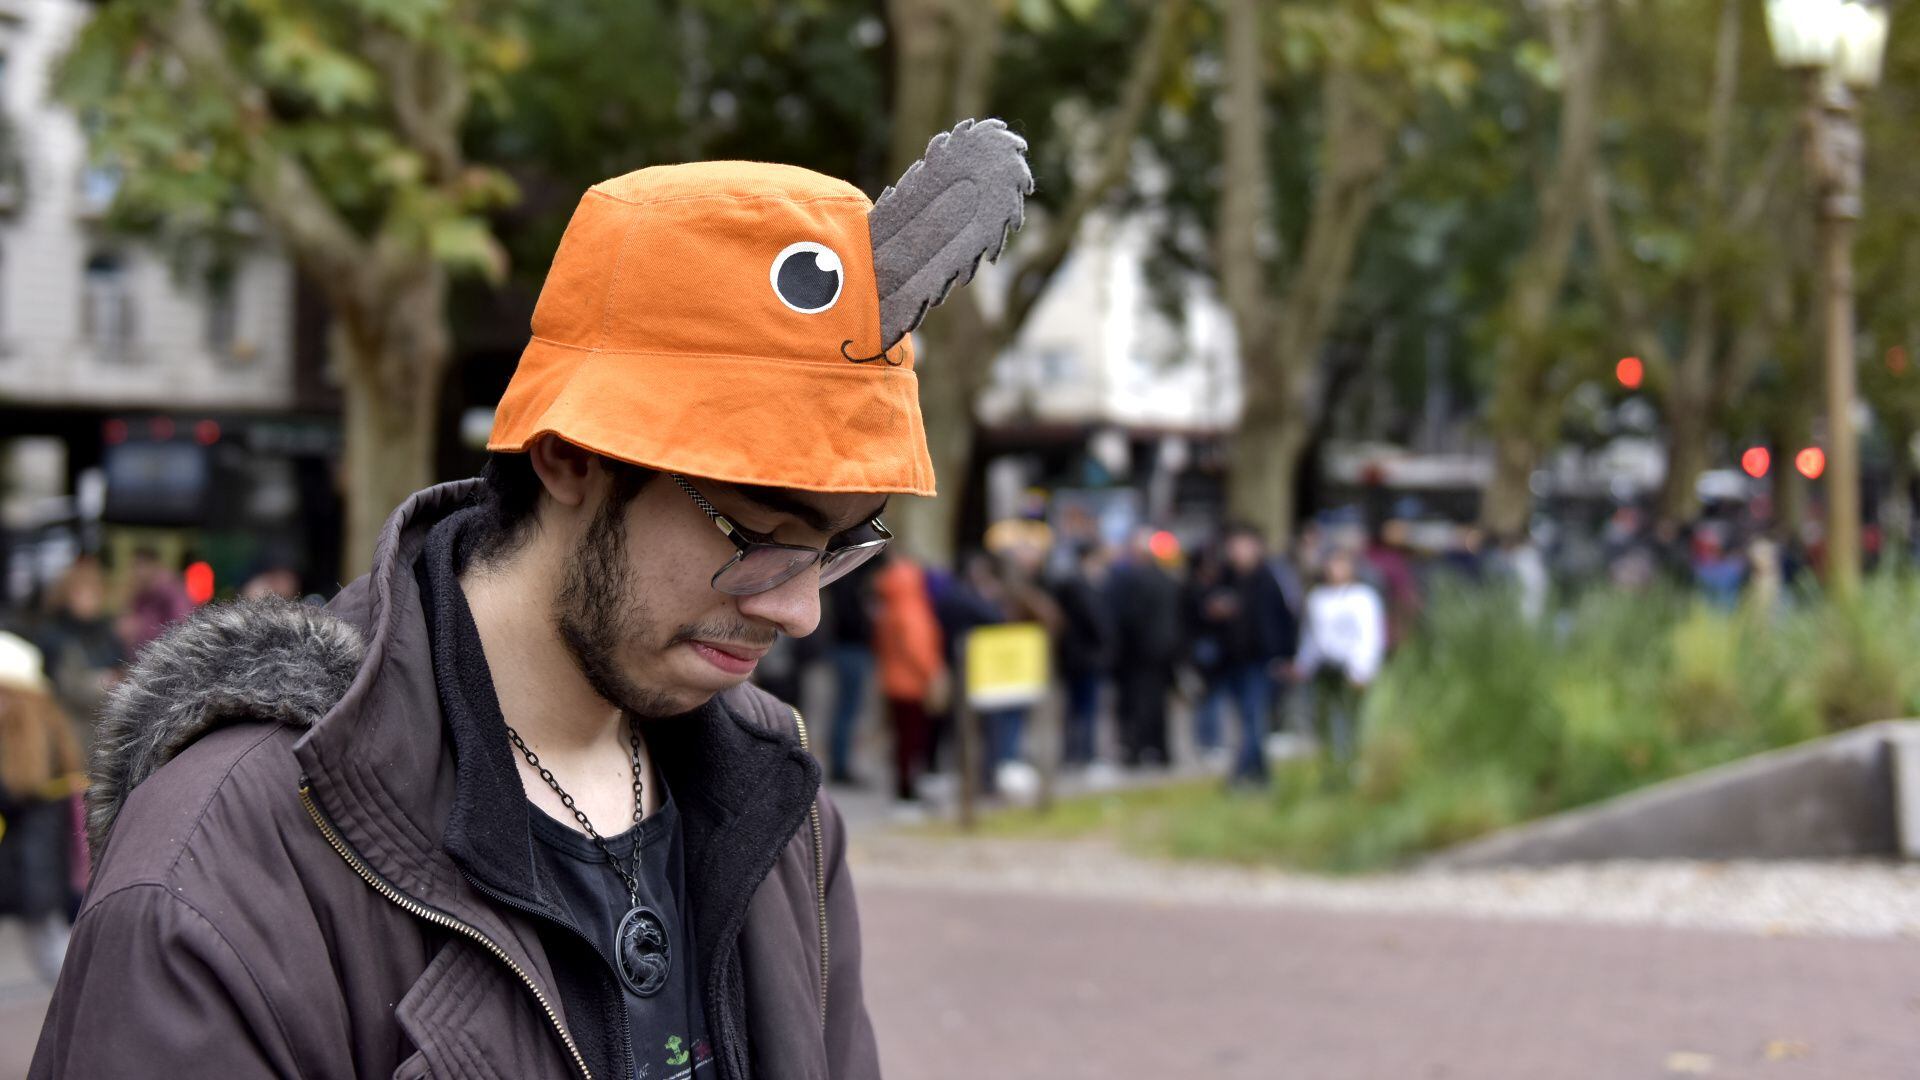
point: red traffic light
(1630, 371)
(199, 582)
(1756, 461)
(1811, 462)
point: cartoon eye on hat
(806, 277)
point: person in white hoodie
(1342, 644)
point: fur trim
(250, 660)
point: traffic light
(199, 582)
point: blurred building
(1114, 397)
(141, 403)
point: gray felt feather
(950, 208)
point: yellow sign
(1006, 665)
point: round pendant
(644, 956)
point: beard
(602, 616)
(599, 617)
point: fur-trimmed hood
(249, 660)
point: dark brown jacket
(308, 876)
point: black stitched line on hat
(881, 355)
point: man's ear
(565, 470)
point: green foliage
(205, 110)
(1485, 721)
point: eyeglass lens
(764, 568)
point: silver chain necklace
(641, 937)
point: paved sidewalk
(1017, 985)
(23, 1002)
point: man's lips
(732, 659)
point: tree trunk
(943, 54)
(1264, 460)
(1525, 405)
(389, 456)
(1690, 409)
(1282, 332)
(1794, 430)
(393, 359)
(958, 349)
(1686, 460)
(1509, 499)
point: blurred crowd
(1235, 636)
(59, 658)
(1222, 651)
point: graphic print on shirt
(679, 1054)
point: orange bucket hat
(748, 322)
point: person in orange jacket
(908, 652)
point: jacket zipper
(498, 897)
(819, 875)
(441, 918)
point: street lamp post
(1836, 45)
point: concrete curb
(1852, 794)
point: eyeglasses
(759, 564)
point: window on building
(222, 315)
(6, 338)
(106, 312)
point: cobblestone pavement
(972, 983)
(23, 1001)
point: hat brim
(804, 425)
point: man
(1147, 644)
(849, 621)
(1084, 650)
(508, 807)
(1246, 613)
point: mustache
(726, 633)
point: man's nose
(792, 606)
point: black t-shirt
(667, 1025)
(669, 1029)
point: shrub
(1485, 720)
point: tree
(948, 56)
(801, 83)
(340, 127)
(1530, 377)
(1372, 64)
(1888, 261)
(1688, 176)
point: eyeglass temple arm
(719, 520)
(725, 526)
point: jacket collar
(420, 798)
